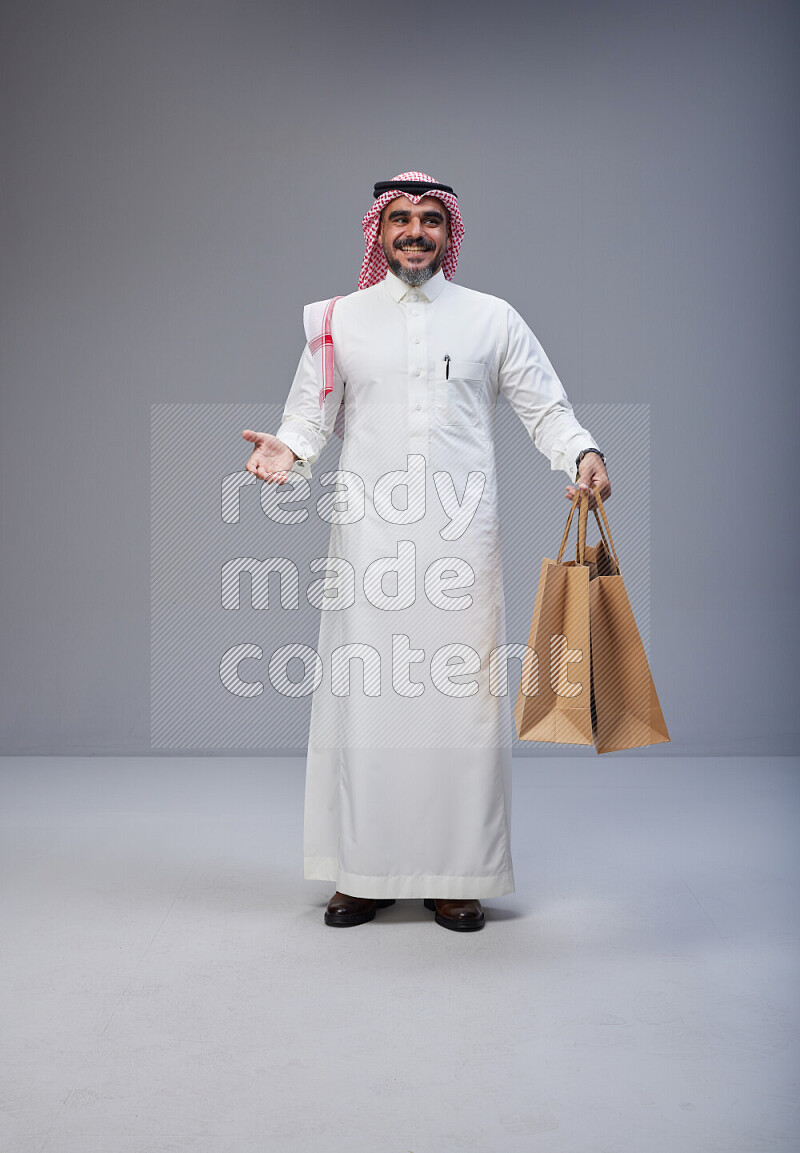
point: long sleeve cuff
(293, 436)
(573, 447)
(564, 453)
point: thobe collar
(427, 291)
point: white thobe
(408, 773)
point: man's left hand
(591, 472)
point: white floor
(168, 984)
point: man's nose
(415, 226)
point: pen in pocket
(447, 367)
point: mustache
(423, 243)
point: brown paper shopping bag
(627, 714)
(554, 700)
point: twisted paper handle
(583, 517)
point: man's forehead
(403, 204)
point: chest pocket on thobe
(459, 392)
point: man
(408, 781)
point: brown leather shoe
(345, 910)
(462, 916)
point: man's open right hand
(271, 459)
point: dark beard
(414, 277)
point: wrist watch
(581, 455)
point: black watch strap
(585, 452)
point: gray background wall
(179, 178)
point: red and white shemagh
(317, 321)
(317, 317)
(374, 267)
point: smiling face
(415, 237)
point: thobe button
(418, 372)
(419, 408)
(415, 312)
(416, 340)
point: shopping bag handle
(596, 492)
(582, 518)
(580, 547)
(601, 530)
